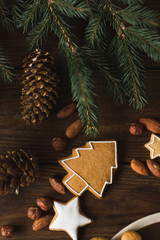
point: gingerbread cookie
(90, 167)
(68, 218)
(153, 146)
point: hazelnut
(7, 231)
(136, 129)
(58, 143)
(44, 203)
(34, 213)
(131, 235)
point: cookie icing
(151, 146)
(68, 218)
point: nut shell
(151, 124)
(42, 222)
(66, 111)
(44, 203)
(58, 143)
(74, 129)
(57, 185)
(131, 235)
(139, 167)
(7, 231)
(136, 129)
(154, 167)
(34, 213)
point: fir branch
(31, 16)
(61, 29)
(140, 16)
(73, 8)
(96, 30)
(110, 76)
(146, 40)
(39, 33)
(132, 69)
(17, 8)
(5, 67)
(6, 21)
(92, 5)
(130, 2)
(129, 61)
(135, 27)
(83, 90)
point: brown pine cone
(40, 87)
(17, 169)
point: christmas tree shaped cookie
(90, 167)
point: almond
(151, 124)
(57, 185)
(154, 167)
(74, 129)
(139, 167)
(66, 111)
(42, 222)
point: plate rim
(138, 224)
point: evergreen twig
(83, 89)
(7, 16)
(5, 67)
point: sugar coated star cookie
(68, 217)
(153, 146)
(90, 167)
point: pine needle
(5, 67)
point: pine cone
(39, 93)
(17, 169)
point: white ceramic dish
(139, 224)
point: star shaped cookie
(68, 217)
(153, 146)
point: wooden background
(129, 198)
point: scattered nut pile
(72, 131)
(37, 214)
(151, 124)
(42, 213)
(137, 129)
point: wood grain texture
(129, 198)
